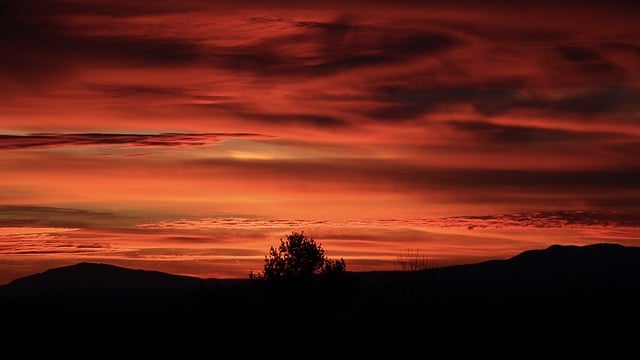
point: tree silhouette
(300, 280)
(298, 259)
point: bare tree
(415, 277)
(413, 260)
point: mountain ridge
(585, 274)
(599, 261)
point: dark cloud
(338, 46)
(322, 121)
(48, 140)
(69, 47)
(543, 219)
(57, 217)
(595, 100)
(628, 47)
(390, 176)
(588, 59)
(578, 53)
(488, 134)
(389, 46)
(610, 100)
(127, 91)
(244, 111)
(544, 181)
(38, 44)
(115, 8)
(405, 101)
(136, 51)
(337, 27)
(618, 201)
(155, 92)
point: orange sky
(190, 136)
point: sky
(190, 136)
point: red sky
(190, 136)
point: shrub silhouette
(298, 273)
(298, 259)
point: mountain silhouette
(599, 281)
(549, 294)
(99, 282)
(560, 276)
(601, 262)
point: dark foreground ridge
(600, 280)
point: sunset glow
(190, 136)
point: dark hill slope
(598, 279)
(580, 277)
(591, 263)
(97, 284)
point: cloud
(408, 101)
(578, 54)
(29, 238)
(598, 100)
(314, 120)
(272, 119)
(115, 8)
(321, 49)
(26, 216)
(148, 92)
(172, 140)
(409, 175)
(401, 101)
(304, 48)
(559, 219)
(47, 243)
(32, 36)
(352, 69)
(489, 134)
(626, 47)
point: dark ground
(556, 295)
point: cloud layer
(174, 140)
(550, 219)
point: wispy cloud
(48, 219)
(171, 140)
(340, 67)
(544, 219)
(44, 241)
(547, 219)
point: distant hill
(557, 263)
(98, 283)
(576, 275)
(96, 280)
(603, 262)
